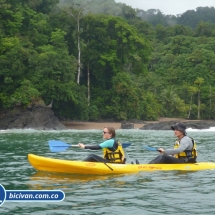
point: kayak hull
(80, 167)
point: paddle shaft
(85, 145)
(152, 148)
(68, 146)
(108, 166)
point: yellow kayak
(81, 167)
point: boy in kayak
(112, 149)
(184, 150)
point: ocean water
(147, 193)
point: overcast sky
(169, 7)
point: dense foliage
(104, 60)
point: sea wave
(203, 130)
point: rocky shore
(42, 118)
(166, 125)
(36, 117)
(162, 124)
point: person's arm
(92, 147)
(184, 144)
(107, 143)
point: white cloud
(172, 7)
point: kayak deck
(80, 167)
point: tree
(53, 69)
(198, 82)
(77, 16)
(192, 90)
(13, 57)
(119, 107)
(10, 17)
(172, 104)
(42, 6)
(205, 29)
(24, 95)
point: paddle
(151, 148)
(58, 145)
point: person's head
(180, 129)
(108, 132)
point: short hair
(111, 130)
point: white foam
(204, 130)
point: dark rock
(135, 121)
(125, 125)
(195, 124)
(37, 117)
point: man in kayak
(112, 149)
(184, 150)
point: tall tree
(192, 90)
(77, 15)
(198, 82)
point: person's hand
(161, 150)
(81, 145)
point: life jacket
(188, 154)
(115, 154)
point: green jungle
(102, 60)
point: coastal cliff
(36, 117)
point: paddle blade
(125, 145)
(150, 148)
(57, 145)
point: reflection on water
(46, 180)
(50, 179)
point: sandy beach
(116, 125)
(94, 125)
